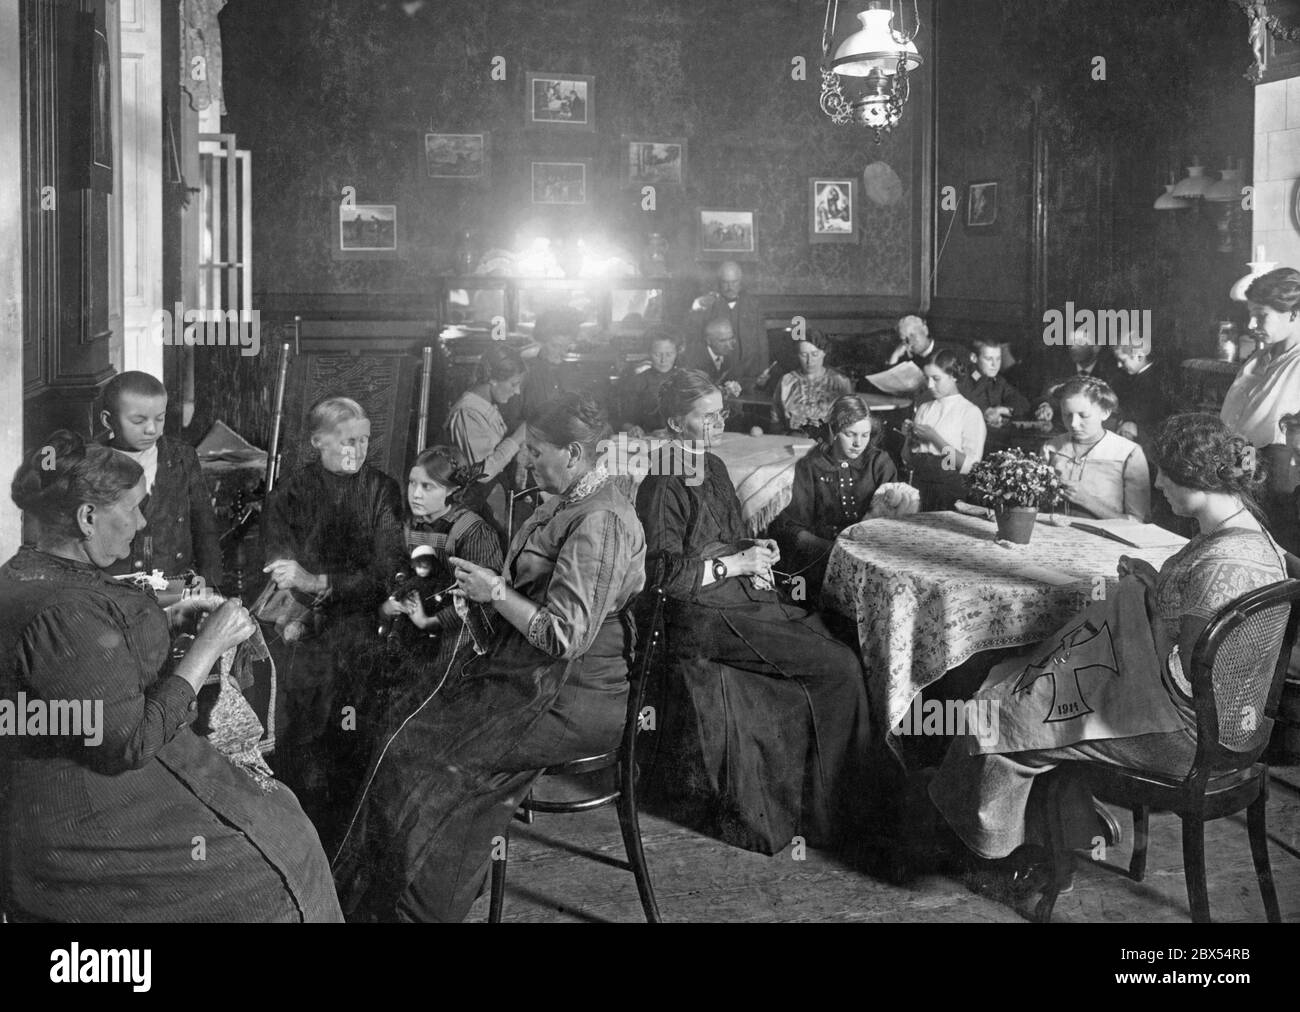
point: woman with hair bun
(805, 396)
(477, 429)
(1268, 384)
(1102, 474)
(101, 817)
(946, 437)
(775, 741)
(1207, 473)
(552, 687)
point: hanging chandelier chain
(901, 36)
(828, 29)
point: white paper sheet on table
(904, 378)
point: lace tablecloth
(930, 590)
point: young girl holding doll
(428, 635)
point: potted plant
(1015, 486)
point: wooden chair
(1235, 704)
(622, 761)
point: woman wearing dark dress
(777, 744)
(833, 486)
(332, 534)
(638, 392)
(552, 688)
(102, 824)
(428, 639)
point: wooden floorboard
(698, 879)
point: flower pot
(1016, 523)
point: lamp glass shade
(873, 47)
(1227, 189)
(1168, 202)
(1194, 184)
(1257, 268)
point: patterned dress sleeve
(73, 651)
(588, 574)
(1227, 568)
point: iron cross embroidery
(1096, 654)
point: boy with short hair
(181, 532)
(991, 393)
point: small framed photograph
(455, 156)
(366, 230)
(982, 206)
(832, 209)
(654, 162)
(560, 100)
(727, 235)
(560, 182)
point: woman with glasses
(1102, 474)
(765, 732)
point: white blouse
(959, 422)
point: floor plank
(698, 879)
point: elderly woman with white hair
(333, 539)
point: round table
(928, 591)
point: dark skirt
(762, 727)
(326, 715)
(441, 790)
(940, 487)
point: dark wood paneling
(65, 340)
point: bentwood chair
(1236, 674)
(621, 760)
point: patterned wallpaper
(329, 95)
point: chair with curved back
(621, 760)
(1235, 699)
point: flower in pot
(1015, 486)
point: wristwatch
(719, 569)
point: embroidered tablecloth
(930, 590)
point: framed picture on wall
(366, 231)
(654, 162)
(982, 206)
(563, 101)
(560, 182)
(727, 235)
(455, 156)
(832, 209)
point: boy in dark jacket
(182, 532)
